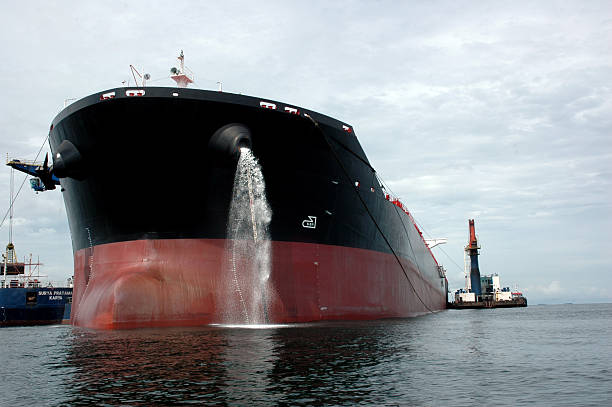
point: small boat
(26, 296)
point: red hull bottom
(187, 282)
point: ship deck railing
(30, 281)
(25, 162)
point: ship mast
(472, 251)
(180, 76)
(9, 256)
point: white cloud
(500, 112)
(553, 288)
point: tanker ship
(149, 179)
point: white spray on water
(248, 246)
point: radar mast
(180, 75)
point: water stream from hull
(248, 249)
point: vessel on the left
(30, 305)
(27, 297)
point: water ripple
(533, 356)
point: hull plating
(34, 305)
(187, 282)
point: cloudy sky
(494, 110)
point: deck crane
(472, 250)
(42, 179)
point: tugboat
(483, 291)
(25, 297)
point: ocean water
(548, 355)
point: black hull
(39, 316)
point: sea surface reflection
(541, 355)
(305, 364)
